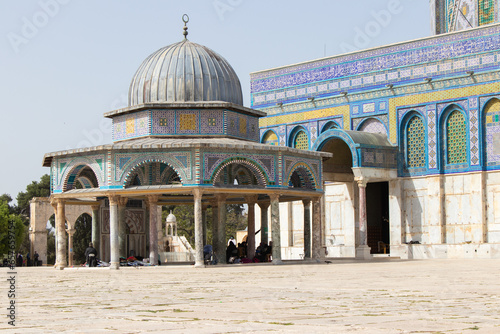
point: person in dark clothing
(91, 255)
(35, 259)
(19, 260)
(231, 251)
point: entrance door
(377, 214)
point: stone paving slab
(431, 296)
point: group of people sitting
(237, 253)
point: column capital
(122, 201)
(264, 205)
(95, 206)
(362, 181)
(113, 199)
(56, 201)
(274, 196)
(197, 193)
(71, 231)
(251, 199)
(221, 197)
(152, 199)
(306, 201)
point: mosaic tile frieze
(131, 125)
(163, 122)
(242, 126)
(126, 163)
(67, 168)
(212, 163)
(378, 158)
(439, 49)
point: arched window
(301, 140)
(415, 143)
(491, 127)
(270, 138)
(456, 138)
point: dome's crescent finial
(185, 19)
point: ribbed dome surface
(185, 72)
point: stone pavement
(431, 296)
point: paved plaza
(432, 296)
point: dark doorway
(377, 213)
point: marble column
(60, 215)
(198, 228)
(114, 245)
(215, 224)
(251, 200)
(153, 230)
(275, 228)
(317, 244)
(204, 224)
(307, 228)
(122, 226)
(362, 250)
(264, 224)
(220, 247)
(71, 253)
(96, 231)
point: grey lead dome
(185, 72)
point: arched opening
(152, 174)
(301, 178)
(453, 139)
(81, 177)
(81, 238)
(51, 240)
(299, 138)
(237, 174)
(341, 162)
(413, 143)
(270, 138)
(491, 131)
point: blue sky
(66, 62)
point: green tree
(34, 189)
(10, 222)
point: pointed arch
(270, 137)
(80, 171)
(328, 135)
(145, 171)
(299, 138)
(372, 125)
(329, 125)
(413, 140)
(255, 170)
(490, 121)
(301, 176)
(454, 141)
